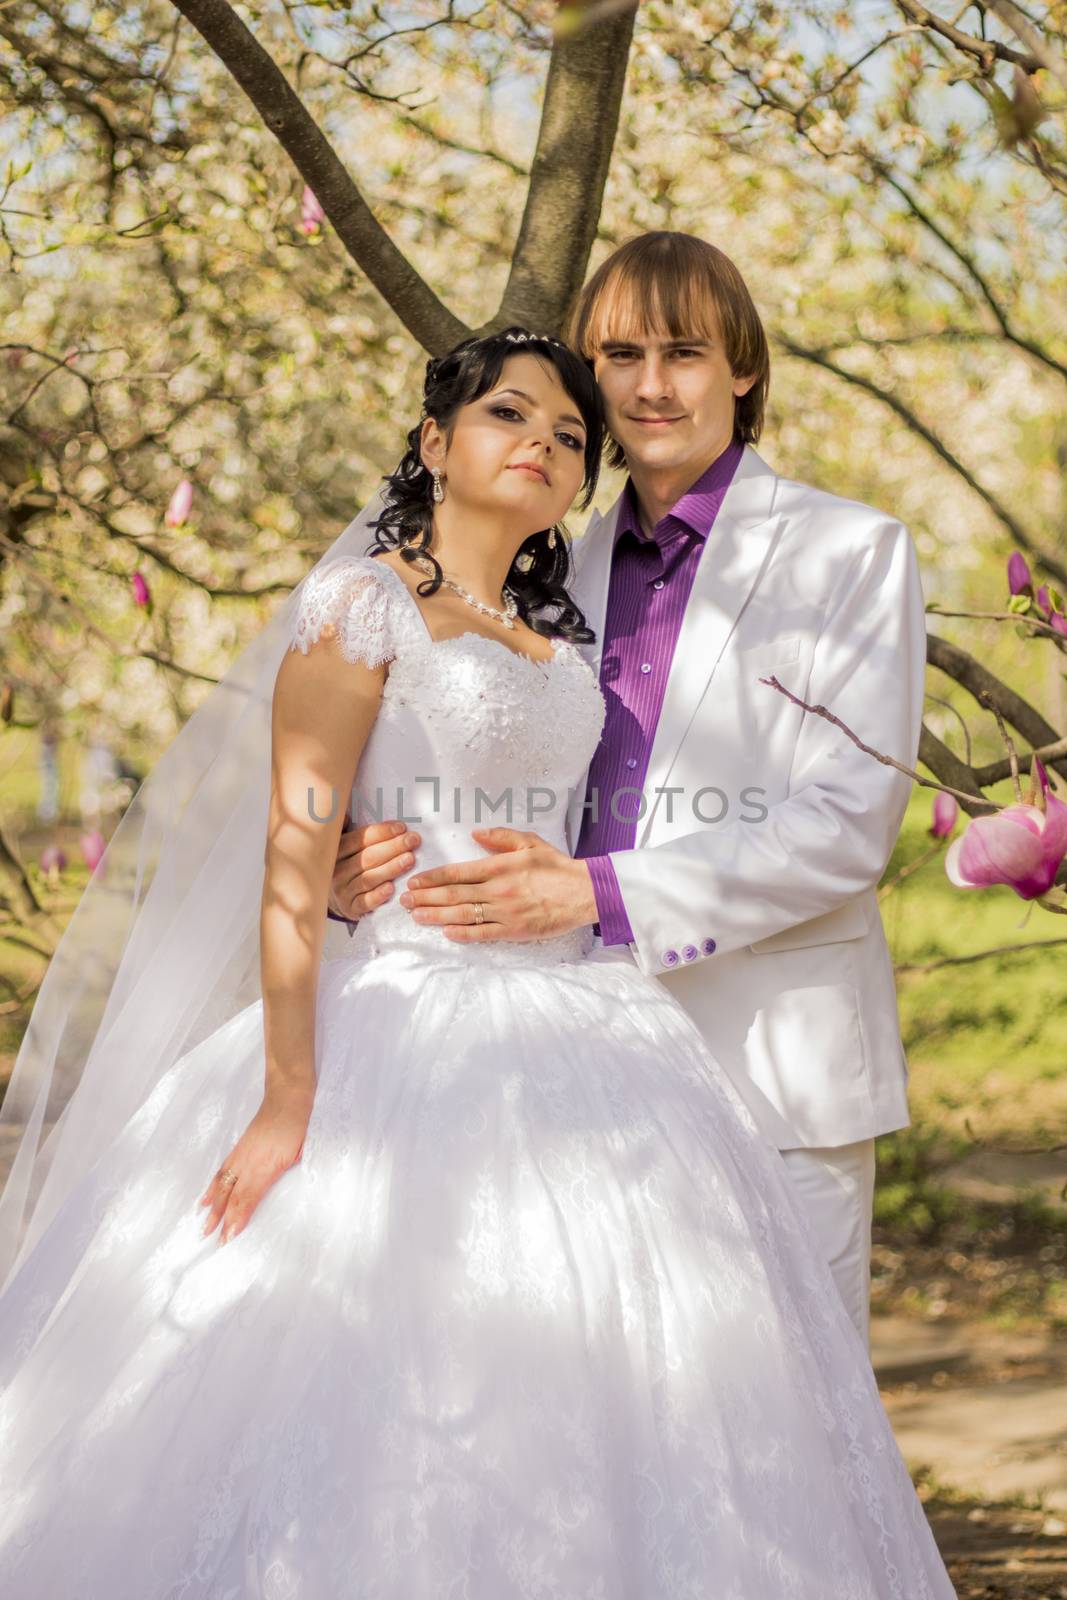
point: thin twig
(979, 955)
(1018, 1150)
(910, 867)
(998, 616)
(1013, 759)
(868, 750)
(958, 714)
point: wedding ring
(479, 911)
(229, 1176)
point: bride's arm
(323, 709)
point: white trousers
(835, 1187)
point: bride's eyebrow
(568, 416)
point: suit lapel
(590, 583)
(736, 555)
(592, 577)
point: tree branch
(1001, 512)
(989, 691)
(1024, 30)
(979, 955)
(583, 95)
(425, 316)
(970, 266)
(987, 51)
(949, 770)
(997, 771)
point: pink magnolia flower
(312, 216)
(141, 592)
(1021, 846)
(946, 810)
(180, 504)
(1019, 580)
(1055, 618)
(92, 844)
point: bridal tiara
(435, 363)
(541, 338)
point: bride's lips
(528, 466)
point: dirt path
(981, 1417)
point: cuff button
(669, 958)
(690, 952)
(708, 947)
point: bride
(428, 1269)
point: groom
(727, 841)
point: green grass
(986, 1042)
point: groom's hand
(527, 890)
(368, 860)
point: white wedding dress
(533, 1318)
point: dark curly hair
(538, 575)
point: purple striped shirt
(651, 579)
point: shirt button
(658, 584)
(690, 952)
(646, 666)
(669, 958)
(708, 946)
(631, 762)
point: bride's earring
(438, 486)
(551, 538)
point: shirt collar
(697, 508)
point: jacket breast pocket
(758, 659)
(849, 921)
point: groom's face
(669, 401)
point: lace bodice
(469, 734)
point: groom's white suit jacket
(768, 930)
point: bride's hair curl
(539, 573)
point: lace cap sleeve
(351, 596)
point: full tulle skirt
(534, 1317)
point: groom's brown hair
(681, 286)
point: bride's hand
(269, 1146)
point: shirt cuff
(611, 913)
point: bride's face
(518, 450)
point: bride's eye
(571, 441)
(509, 413)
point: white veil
(163, 946)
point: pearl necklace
(507, 616)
